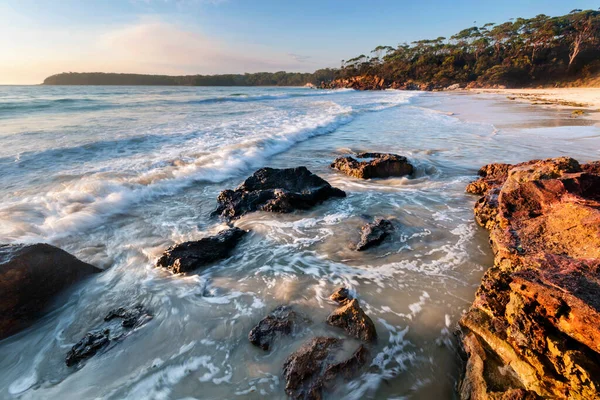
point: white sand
(586, 99)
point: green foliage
(522, 51)
(258, 79)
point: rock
(87, 347)
(374, 233)
(109, 333)
(282, 321)
(31, 276)
(362, 82)
(131, 317)
(536, 315)
(308, 370)
(276, 190)
(341, 296)
(188, 256)
(375, 165)
(455, 86)
(352, 319)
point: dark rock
(351, 318)
(375, 165)
(282, 321)
(536, 315)
(108, 333)
(308, 370)
(87, 347)
(276, 190)
(31, 276)
(131, 317)
(374, 233)
(188, 256)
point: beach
(584, 99)
(116, 175)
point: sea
(116, 174)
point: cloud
(149, 45)
(299, 58)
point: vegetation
(257, 79)
(519, 52)
(537, 51)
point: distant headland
(540, 51)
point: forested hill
(535, 51)
(544, 50)
(256, 79)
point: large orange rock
(536, 315)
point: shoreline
(583, 102)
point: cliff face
(534, 327)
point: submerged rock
(99, 339)
(31, 276)
(87, 347)
(188, 256)
(276, 190)
(282, 321)
(351, 317)
(375, 165)
(308, 370)
(536, 315)
(374, 233)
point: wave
(243, 97)
(86, 202)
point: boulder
(361, 82)
(373, 165)
(109, 333)
(31, 276)
(351, 317)
(536, 315)
(374, 233)
(276, 190)
(308, 370)
(188, 256)
(282, 321)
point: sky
(179, 37)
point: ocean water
(115, 175)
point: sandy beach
(585, 102)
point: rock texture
(373, 165)
(276, 190)
(374, 233)
(363, 82)
(308, 370)
(351, 317)
(188, 256)
(109, 333)
(282, 321)
(534, 327)
(30, 278)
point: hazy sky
(41, 38)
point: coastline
(574, 99)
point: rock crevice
(536, 314)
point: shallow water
(116, 174)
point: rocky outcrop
(276, 190)
(374, 233)
(188, 256)
(308, 370)
(362, 82)
(111, 332)
(31, 276)
(534, 327)
(373, 165)
(282, 321)
(351, 318)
